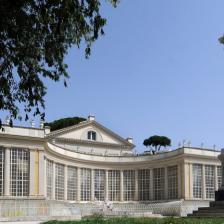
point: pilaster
(53, 182)
(65, 182)
(42, 174)
(7, 173)
(32, 173)
(92, 185)
(136, 186)
(179, 185)
(216, 178)
(151, 185)
(106, 185)
(78, 185)
(121, 185)
(190, 180)
(165, 183)
(203, 183)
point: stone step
(216, 203)
(198, 215)
(209, 211)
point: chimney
(47, 130)
(91, 118)
(130, 140)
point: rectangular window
(172, 173)
(209, 181)
(85, 184)
(99, 185)
(19, 172)
(219, 176)
(197, 180)
(114, 185)
(129, 185)
(2, 159)
(144, 185)
(49, 179)
(59, 181)
(159, 183)
(72, 184)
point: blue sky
(158, 70)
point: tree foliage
(156, 142)
(64, 122)
(35, 36)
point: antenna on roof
(179, 144)
(202, 145)
(214, 146)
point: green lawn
(99, 220)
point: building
(88, 162)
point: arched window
(91, 135)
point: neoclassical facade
(88, 162)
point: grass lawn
(169, 220)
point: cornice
(20, 137)
(92, 143)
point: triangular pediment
(80, 131)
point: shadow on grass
(126, 220)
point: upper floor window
(91, 135)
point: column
(136, 185)
(151, 185)
(203, 183)
(92, 185)
(7, 173)
(78, 185)
(179, 185)
(165, 183)
(65, 182)
(121, 185)
(42, 174)
(216, 178)
(53, 184)
(106, 185)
